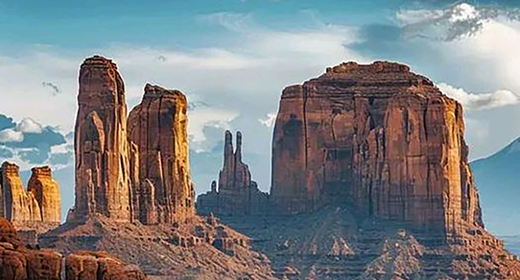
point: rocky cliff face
(377, 135)
(158, 130)
(102, 160)
(237, 194)
(18, 206)
(47, 193)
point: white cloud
(455, 22)
(199, 119)
(482, 101)
(11, 135)
(28, 125)
(269, 120)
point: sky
(232, 58)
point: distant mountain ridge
(498, 180)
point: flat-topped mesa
(47, 192)
(158, 130)
(237, 194)
(102, 164)
(377, 135)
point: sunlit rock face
(16, 204)
(102, 163)
(158, 132)
(47, 193)
(377, 136)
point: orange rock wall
(379, 136)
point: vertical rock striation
(237, 194)
(18, 206)
(158, 130)
(102, 161)
(47, 193)
(379, 136)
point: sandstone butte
(237, 193)
(19, 262)
(157, 130)
(380, 136)
(37, 208)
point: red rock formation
(378, 135)
(234, 174)
(18, 206)
(158, 129)
(18, 262)
(47, 193)
(102, 160)
(237, 193)
(99, 266)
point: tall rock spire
(158, 129)
(47, 192)
(101, 146)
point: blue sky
(233, 58)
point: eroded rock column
(101, 146)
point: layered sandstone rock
(237, 194)
(19, 262)
(47, 193)
(379, 136)
(18, 206)
(99, 266)
(158, 129)
(102, 160)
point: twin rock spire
(130, 169)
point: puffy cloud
(28, 142)
(269, 120)
(10, 136)
(455, 22)
(472, 101)
(28, 125)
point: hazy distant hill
(498, 181)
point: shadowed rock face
(237, 194)
(102, 163)
(379, 136)
(47, 192)
(158, 132)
